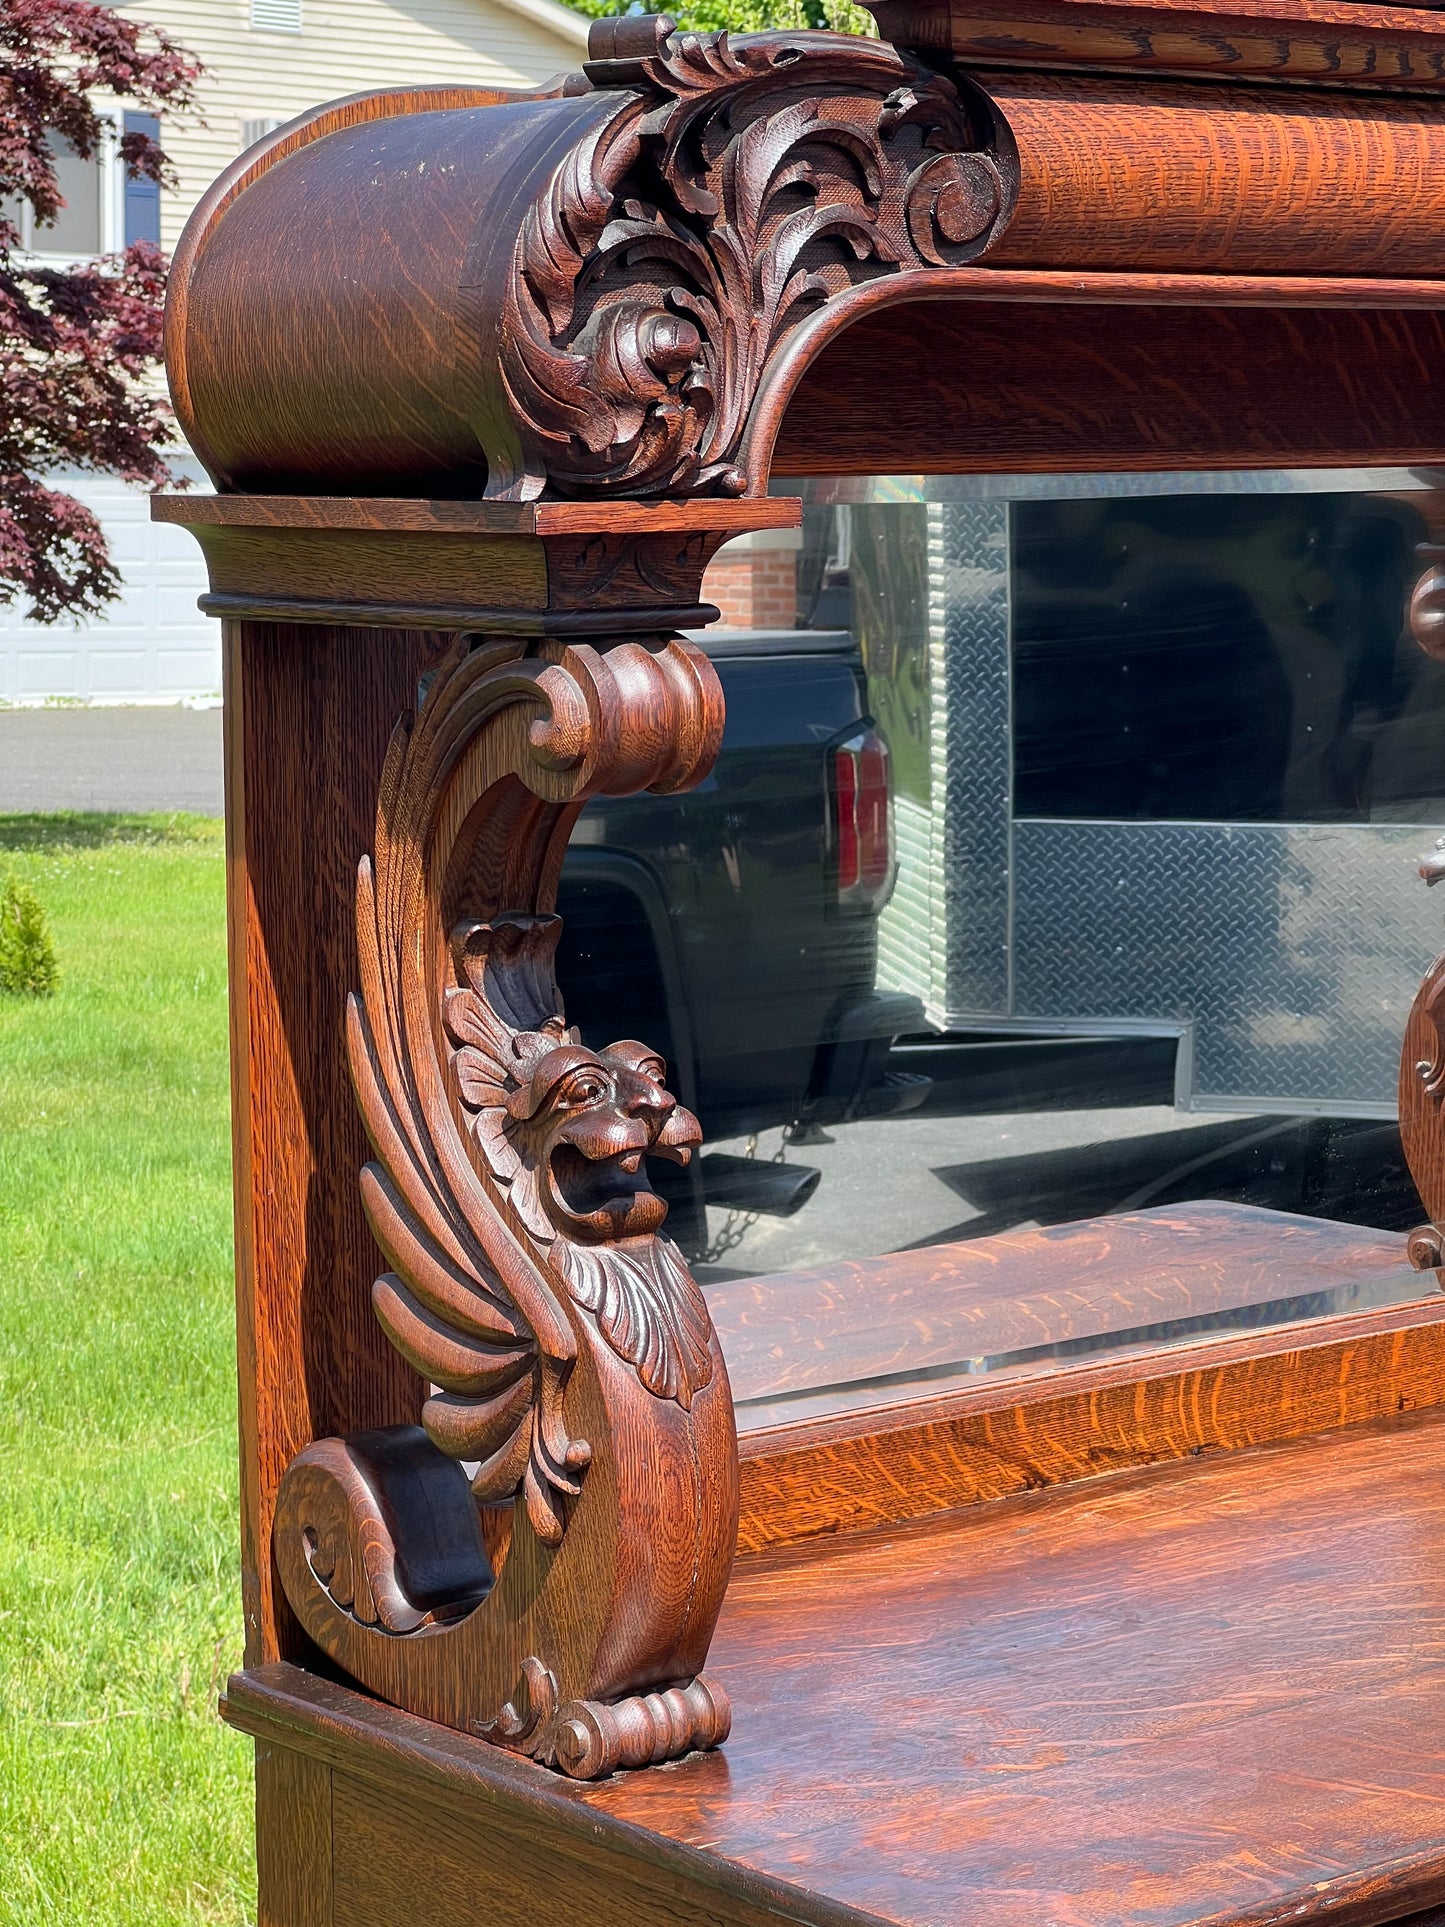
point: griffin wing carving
(510, 1170)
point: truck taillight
(862, 821)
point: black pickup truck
(734, 928)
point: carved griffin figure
(511, 1167)
(568, 1132)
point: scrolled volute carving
(740, 186)
(572, 1366)
(584, 1738)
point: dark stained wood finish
(1208, 1691)
(1317, 43)
(986, 387)
(382, 104)
(498, 1839)
(293, 1838)
(348, 574)
(308, 716)
(495, 347)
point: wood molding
(480, 518)
(500, 567)
(876, 1468)
(1086, 389)
(611, 290)
(1312, 43)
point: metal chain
(737, 1224)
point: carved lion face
(585, 1122)
(569, 1129)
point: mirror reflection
(1059, 864)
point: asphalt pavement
(78, 758)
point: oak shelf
(1211, 1690)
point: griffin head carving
(585, 1122)
(565, 1133)
(567, 1129)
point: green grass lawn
(122, 1798)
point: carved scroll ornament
(739, 187)
(559, 1595)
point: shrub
(28, 966)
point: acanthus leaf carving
(740, 185)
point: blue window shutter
(142, 198)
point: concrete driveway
(111, 759)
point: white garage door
(153, 645)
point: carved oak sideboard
(567, 1590)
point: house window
(257, 128)
(80, 228)
(276, 16)
(104, 211)
(141, 199)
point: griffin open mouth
(611, 1196)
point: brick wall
(754, 580)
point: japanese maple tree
(76, 344)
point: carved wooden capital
(726, 190)
(573, 1365)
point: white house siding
(156, 646)
(343, 47)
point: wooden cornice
(1307, 43)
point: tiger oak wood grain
(380, 104)
(1316, 43)
(825, 1447)
(1212, 1690)
(294, 1835)
(477, 517)
(1207, 1691)
(1122, 174)
(883, 1463)
(307, 716)
(499, 1839)
(1422, 1090)
(453, 326)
